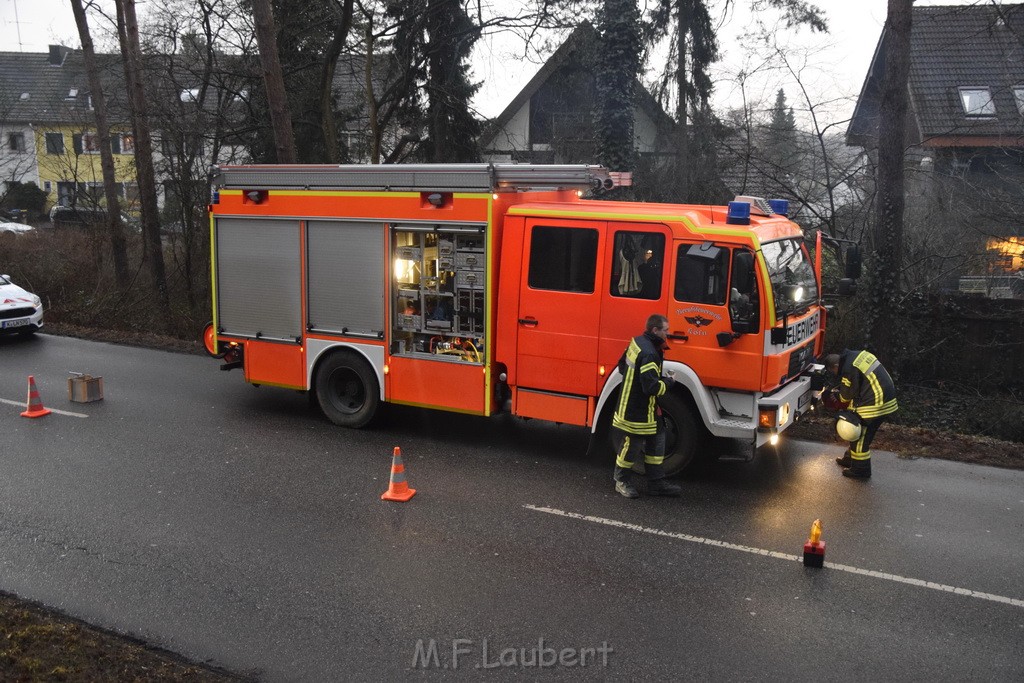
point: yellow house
(70, 170)
(49, 127)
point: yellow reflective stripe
(845, 382)
(654, 459)
(647, 367)
(620, 459)
(886, 408)
(876, 388)
(641, 428)
(662, 388)
(860, 455)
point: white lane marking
(52, 410)
(779, 556)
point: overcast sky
(833, 65)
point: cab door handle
(678, 337)
(532, 322)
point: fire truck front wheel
(347, 390)
(682, 433)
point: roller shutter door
(259, 278)
(346, 282)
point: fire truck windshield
(791, 275)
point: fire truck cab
(483, 288)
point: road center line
(52, 410)
(779, 556)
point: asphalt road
(235, 525)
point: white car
(7, 229)
(20, 311)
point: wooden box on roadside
(85, 389)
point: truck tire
(347, 390)
(683, 434)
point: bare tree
(277, 98)
(99, 104)
(131, 52)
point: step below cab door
(558, 320)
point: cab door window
(702, 273)
(637, 269)
(563, 259)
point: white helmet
(848, 425)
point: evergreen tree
(780, 138)
(618, 22)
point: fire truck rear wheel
(347, 390)
(682, 433)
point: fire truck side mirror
(853, 268)
(743, 272)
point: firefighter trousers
(860, 450)
(628, 448)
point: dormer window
(1018, 96)
(72, 94)
(977, 102)
(25, 95)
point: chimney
(57, 55)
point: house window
(55, 143)
(127, 144)
(87, 143)
(16, 142)
(977, 102)
(1018, 95)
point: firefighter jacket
(642, 384)
(866, 385)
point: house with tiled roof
(48, 126)
(965, 123)
(551, 120)
(48, 130)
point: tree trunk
(330, 129)
(277, 98)
(682, 120)
(371, 97)
(887, 246)
(118, 248)
(131, 51)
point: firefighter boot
(860, 469)
(656, 483)
(846, 460)
(623, 485)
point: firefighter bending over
(866, 389)
(637, 425)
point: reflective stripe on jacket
(866, 384)
(642, 384)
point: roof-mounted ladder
(418, 177)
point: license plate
(14, 323)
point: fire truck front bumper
(777, 411)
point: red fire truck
(484, 288)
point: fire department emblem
(698, 320)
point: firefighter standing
(867, 389)
(637, 425)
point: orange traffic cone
(35, 404)
(399, 489)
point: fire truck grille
(799, 359)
